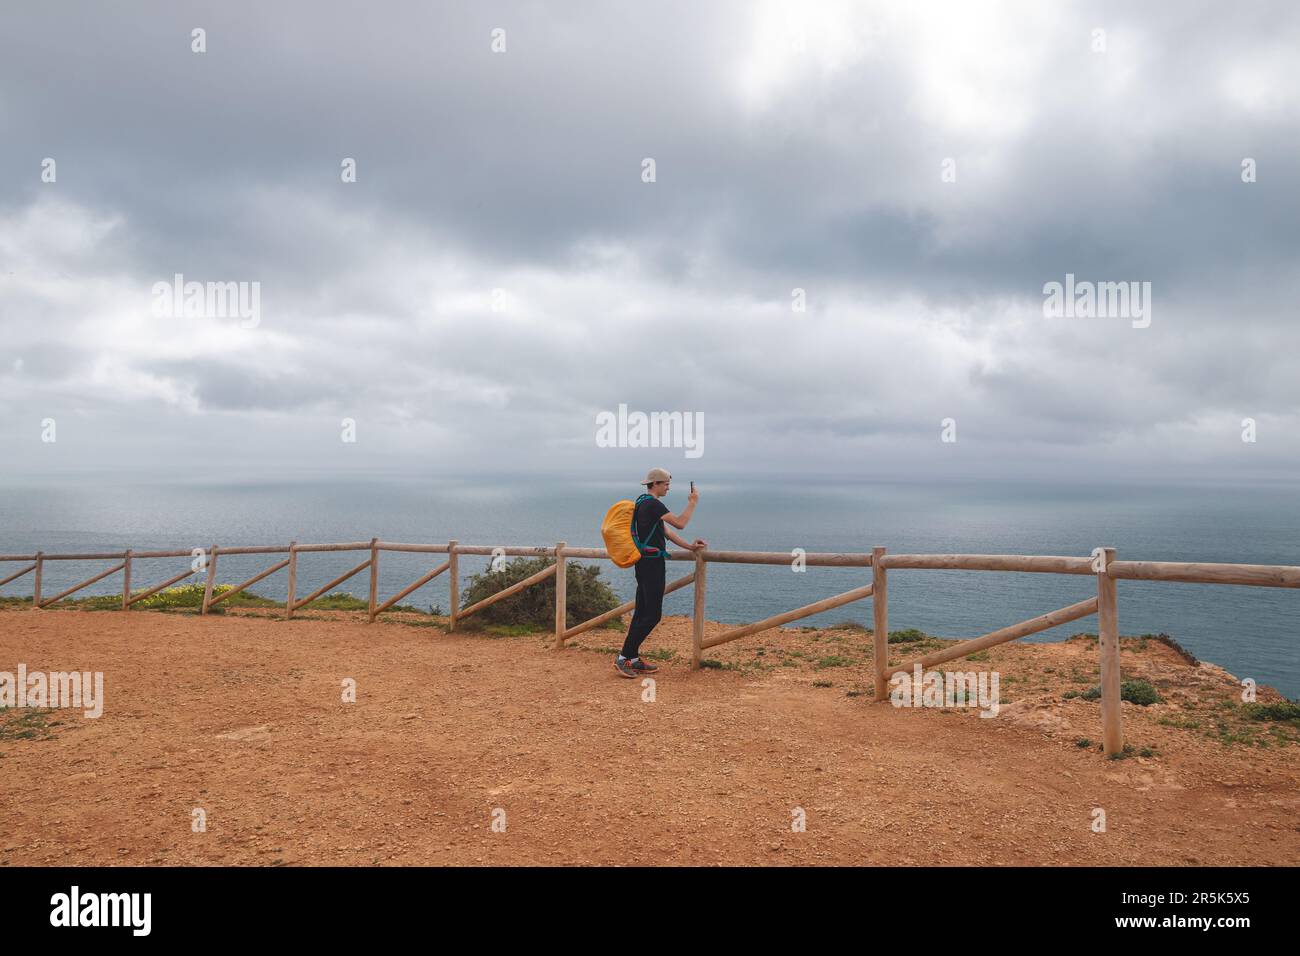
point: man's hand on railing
(699, 545)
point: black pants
(650, 574)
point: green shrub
(587, 594)
(1284, 711)
(1134, 691)
(1139, 692)
(906, 636)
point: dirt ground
(241, 716)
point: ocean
(1250, 631)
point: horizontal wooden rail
(414, 587)
(417, 548)
(1251, 575)
(333, 584)
(1041, 623)
(135, 598)
(350, 546)
(826, 604)
(622, 608)
(532, 579)
(89, 581)
(90, 556)
(264, 549)
(785, 558)
(217, 598)
(594, 554)
(1044, 564)
(513, 550)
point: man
(651, 520)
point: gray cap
(656, 474)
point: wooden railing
(1101, 565)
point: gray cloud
(776, 169)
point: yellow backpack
(619, 531)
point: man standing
(650, 521)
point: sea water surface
(1253, 632)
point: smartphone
(692, 486)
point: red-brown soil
(241, 715)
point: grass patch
(26, 723)
(407, 622)
(507, 630)
(906, 636)
(833, 660)
(337, 601)
(1284, 712)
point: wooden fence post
(36, 588)
(561, 595)
(293, 578)
(1112, 728)
(126, 580)
(697, 624)
(453, 586)
(879, 620)
(374, 576)
(211, 581)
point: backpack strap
(643, 548)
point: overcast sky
(796, 145)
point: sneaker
(641, 667)
(624, 667)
